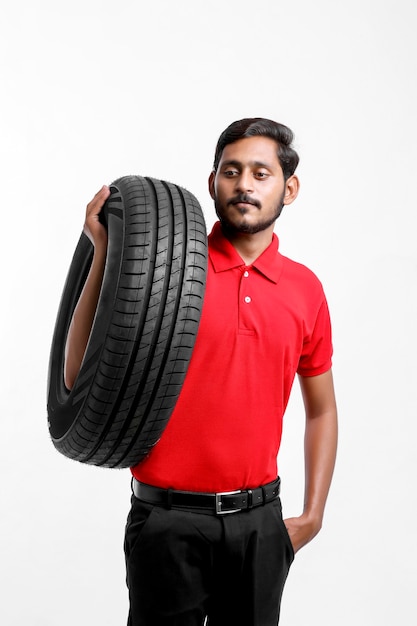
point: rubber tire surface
(144, 328)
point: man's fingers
(95, 231)
(94, 207)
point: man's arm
(82, 319)
(320, 454)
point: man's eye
(262, 174)
(230, 173)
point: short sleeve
(316, 355)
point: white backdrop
(92, 90)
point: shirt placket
(245, 308)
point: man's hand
(93, 228)
(301, 530)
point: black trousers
(184, 567)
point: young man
(191, 553)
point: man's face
(248, 188)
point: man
(195, 551)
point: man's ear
(292, 187)
(211, 183)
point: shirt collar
(225, 257)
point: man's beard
(234, 227)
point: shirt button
(246, 274)
(248, 299)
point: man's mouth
(244, 200)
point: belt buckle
(218, 501)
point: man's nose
(244, 183)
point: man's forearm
(320, 457)
(320, 453)
(82, 319)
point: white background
(93, 90)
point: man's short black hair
(261, 127)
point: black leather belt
(217, 503)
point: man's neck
(250, 247)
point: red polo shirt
(260, 325)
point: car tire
(144, 327)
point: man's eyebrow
(251, 163)
(231, 162)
